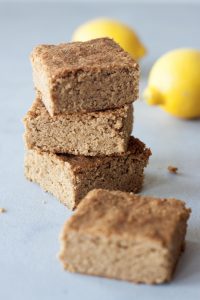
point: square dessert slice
(93, 133)
(70, 177)
(125, 236)
(84, 76)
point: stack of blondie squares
(77, 132)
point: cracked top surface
(97, 54)
(107, 213)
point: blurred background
(161, 25)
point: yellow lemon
(174, 83)
(121, 33)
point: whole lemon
(174, 83)
(121, 33)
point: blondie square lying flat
(84, 76)
(70, 177)
(125, 236)
(93, 133)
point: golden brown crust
(97, 54)
(132, 216)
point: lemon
(174, 83)
(121, 33)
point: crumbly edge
(53, 175)
(137, 151)
(42, 84)
(177, 242)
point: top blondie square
(84, 76)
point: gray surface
(29, 230)
(110, 1)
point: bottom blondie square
(70, 177)
(125, 236)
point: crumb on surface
(2, 210)
(173, 169)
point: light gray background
(29, 230)
(102, 1)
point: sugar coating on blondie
(125, 236)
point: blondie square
(70, 178)
(93, 133)
(84, 76)
(125, 236)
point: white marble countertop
(29, 230)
